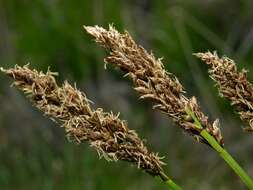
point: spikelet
(232, 84)
(152, 81)
(105, 132)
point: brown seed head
(232, 84)
(105, 132)
(152, 81)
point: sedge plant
(105, 132)
(154, 83)
(108, 134)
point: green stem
(172, 185)
(222, 152)
(169, 182)
(229, 159)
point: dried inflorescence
(152, 81)
(68, 106)
(232, 84)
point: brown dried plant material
(105, 132)
(232, 84)
(152, 81)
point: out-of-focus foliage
(34, 153)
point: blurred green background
(34, 153)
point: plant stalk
(172, 185)
(169, 182)
(247, 180)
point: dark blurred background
(34, 153)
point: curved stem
(222, 152)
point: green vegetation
(35, 155)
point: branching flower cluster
(153, 82)
(68, 106)
(232, 84)
(109, 135)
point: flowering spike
(105, 132)
(151, 80)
